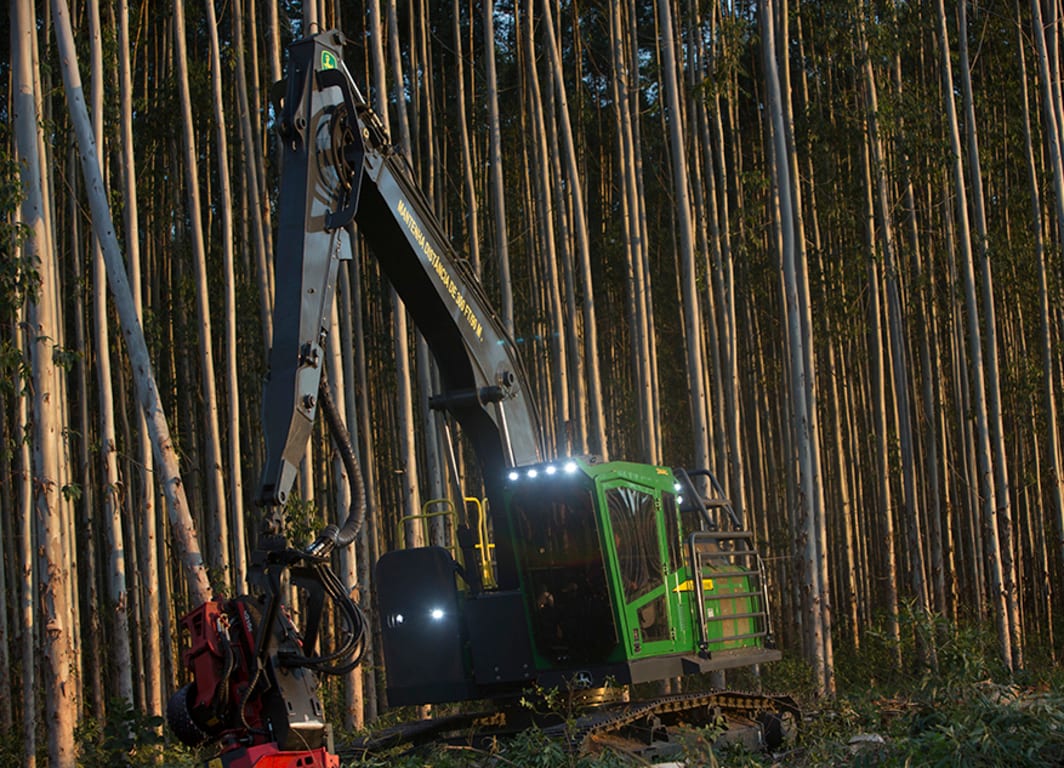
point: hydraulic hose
(332, 536)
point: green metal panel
(600, 553)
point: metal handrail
(699, 556)
(484, 543)
(423, 515)
(721, 501)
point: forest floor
(964, 710)
(977, 724)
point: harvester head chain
(653, 714)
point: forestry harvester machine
(597, 574)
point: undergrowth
(942, 699)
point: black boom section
(321, 154)
(340, 171)
(482, 377)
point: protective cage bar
(713, 549)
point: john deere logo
(328, 60)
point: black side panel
(498, 635)
(421, 627)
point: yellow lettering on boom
(440, 268)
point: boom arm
(339, 169)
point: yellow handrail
(484, 543)
(426, 515)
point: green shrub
(992, 725)
(128, 739)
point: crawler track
(757, 720)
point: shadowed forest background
(812, 246)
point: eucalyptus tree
(49, 537)
(879, 190)
(495, 170)
(408, 469)
(146, 487)
(39, 319)
(595, 428)
(1053, 117)
(545, 219)
(1048, 349)
(803, 408)
(999, 455)
(27, 613)
(225, 196)
(635, 243)
(112, 505)
(982, 449)
(216, 505)
(685, 224)
(183, 528)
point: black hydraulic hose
(343, 536)
(354, 646)
(330, 537)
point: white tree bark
(217, 525)
(147, 394)
(27, 592)
(596, 426)
(112, 503)
(685, 225)
(57, 647)
(975, 351)
(804, 415)
(225, 205)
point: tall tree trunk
(358, 412)
(685, 225)
(1055, 476)
(27, 613)
(975, 351)
(471, 215)
(596, 428)
(999, 456)
(804, 415)
(225, 204)
(147, 393)
(495, 169)
(112, 503)
(352, 681)
(545, 218)
(407, 470)
(57, 649)
(212, 439)
(635, 245)
(894, 334)
(146, 488)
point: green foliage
(72, 492)
(128, 739)
(791, 675)
(535, 749)
(302, 519)
(65, 357)
(990, 725)
(11, 747)
(933, 652)
(14, 369)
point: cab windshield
(559, 553)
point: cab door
(637, 554)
